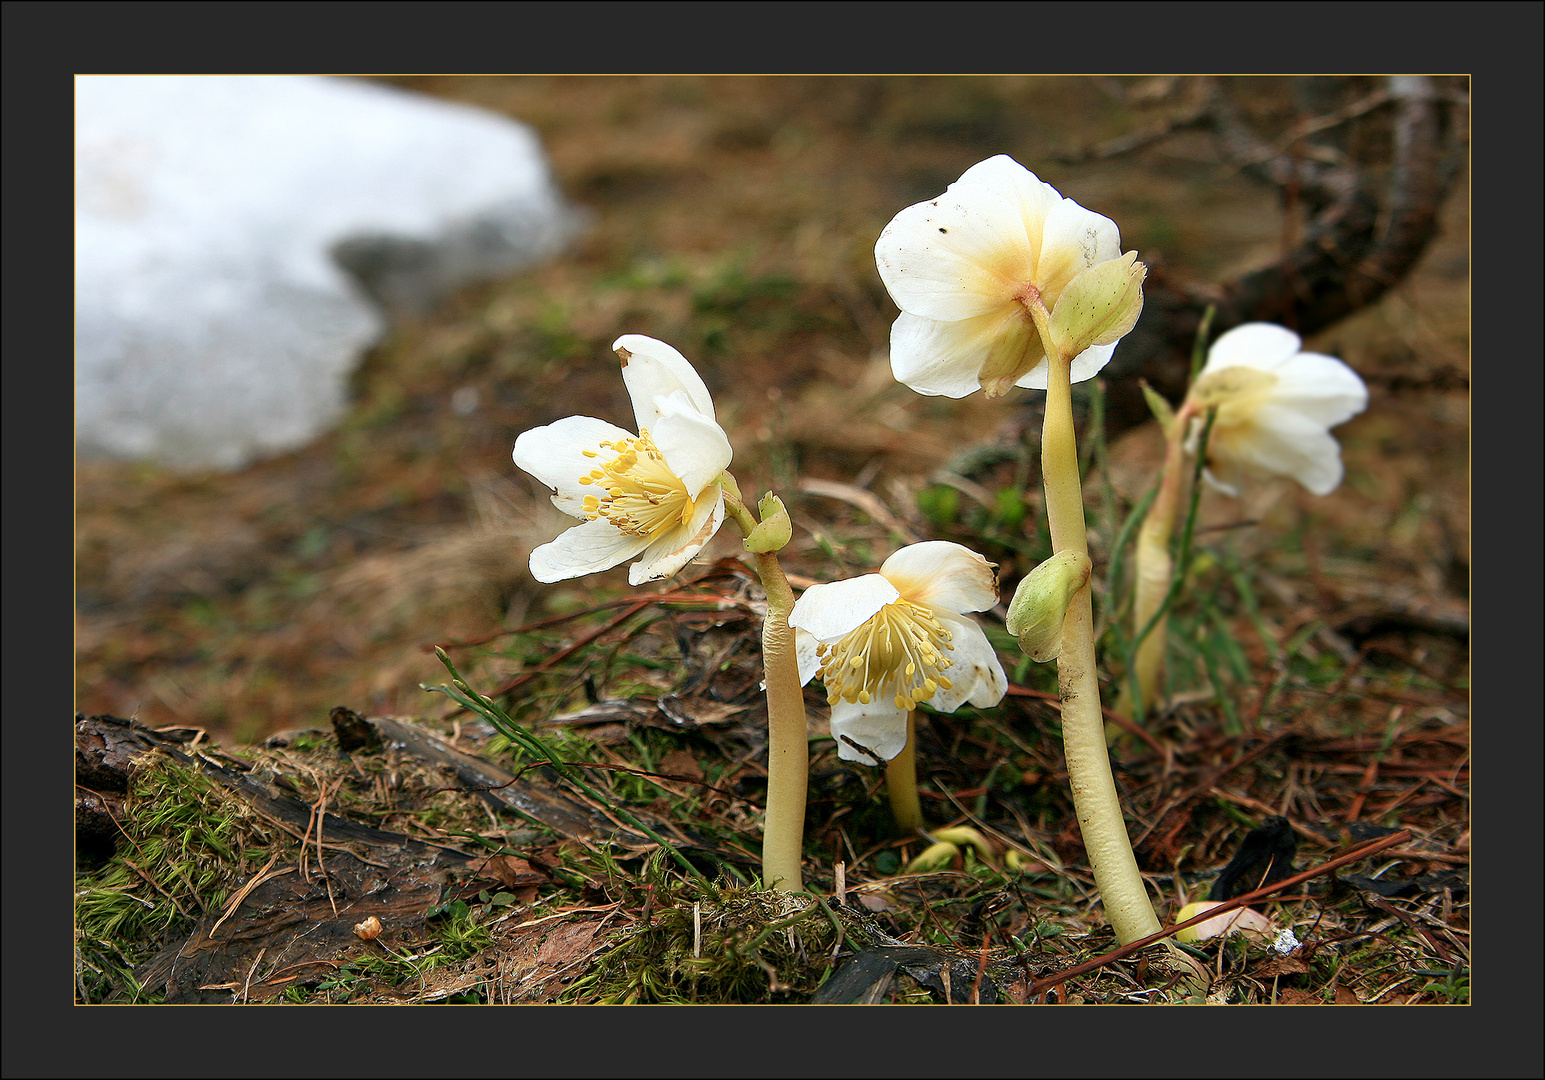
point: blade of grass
(463, 694)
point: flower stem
(1154, 570)
(1095, 801)
(901, 784)
(788, 747)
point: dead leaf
(1281, 965)
(681, 763)
(1291, 996)
(510, 871)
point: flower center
(897, 654)
(1236, 391)
(639, 493)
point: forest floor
(1318, 672)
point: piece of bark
(288, 925)
(296, 921)
(1365, 232)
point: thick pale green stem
(1121, 888)
(788, 747)
(1155, 569)
(901, 784)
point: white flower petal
(878, 727)
(829, 611)
(975, 672)
(654, 370)
(587, 548)
(805, 646)
(941, 574)
(694, 445)
(1073, 239)
(1226, 478)
(1322, 388)
(948, 358)
(674, 548)
(1258, 345)
(1034, 197)
(555, 454)
(1281, 442)
(956, 257)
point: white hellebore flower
(653, 494)
(962, 267)
(884, 642)
(1276, 407)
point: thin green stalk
(1113, 574)
(1154, 573)
(1219, 642)
(1095, 800)
(1176, 580)
(1156, 581)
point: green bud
(727, 482)
(934, 857)
(1162, 411)
(775, 529)
(1099, 306)
(1040, 603)
(962, 835)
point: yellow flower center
(639, 493)
(1237, 392)
(897, 654)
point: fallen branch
(1040, 986)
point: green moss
(718, 944)
(185, 844)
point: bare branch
(1368, 226)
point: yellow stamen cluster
(639, 493)
(898, 653)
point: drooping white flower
(962, 266)
(884, 642)
(652, 494)
(1276, 406)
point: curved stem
(901, 784)
(788, 747)
(1095, 801)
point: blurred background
(735, 218)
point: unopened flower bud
(1040, 603)
(1162, 411)
(1099, 306)
(775, 528)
